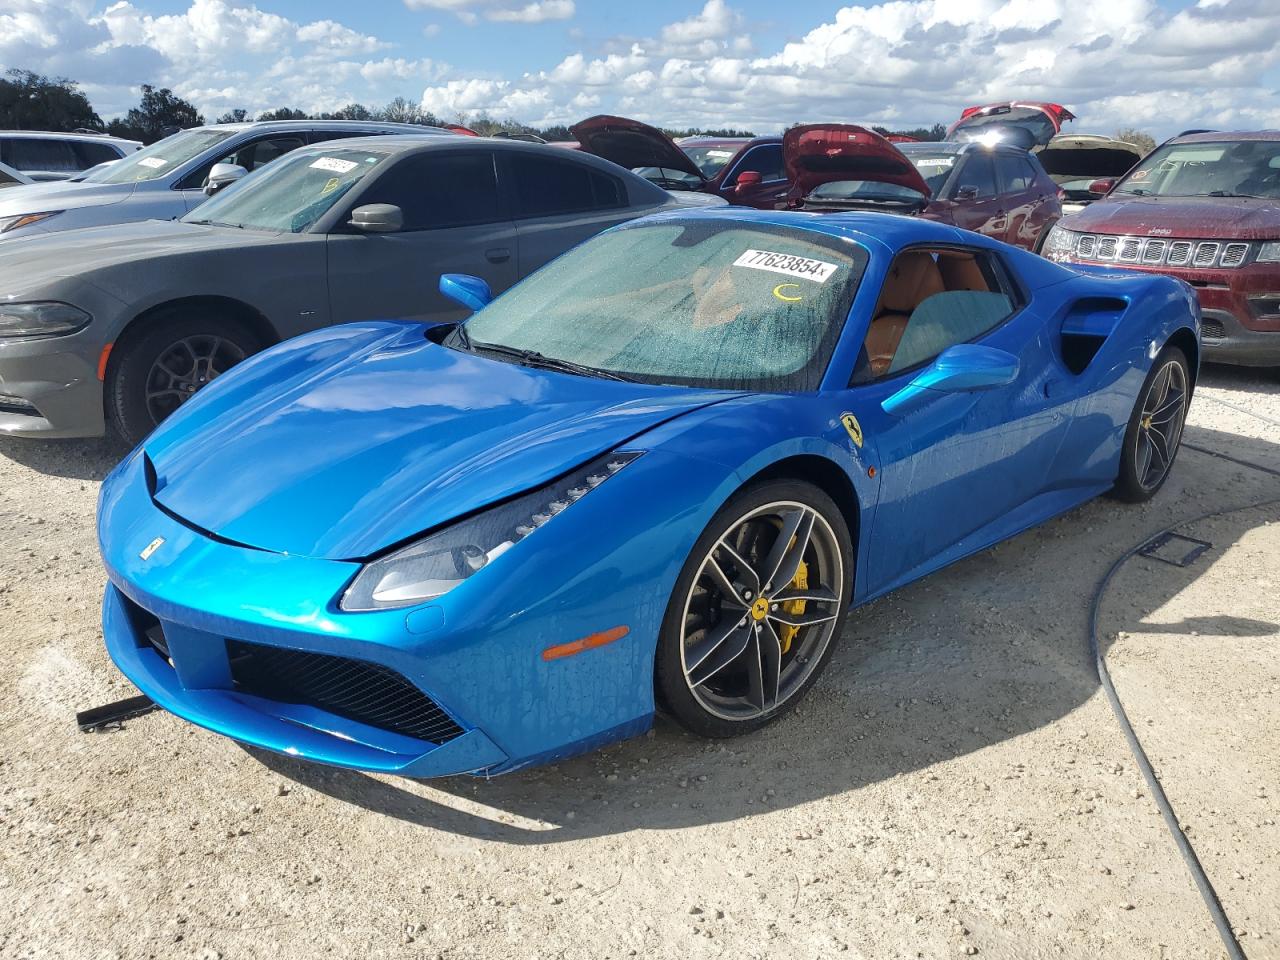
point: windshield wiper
(532, 358)
(1228, 193)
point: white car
(45, 156)
(167, 179)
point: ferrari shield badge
(853, 427)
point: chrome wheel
(761, 611)
(1164, 410)
(184, 367)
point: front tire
(756, 610)
(155, 371)
(1154, 432)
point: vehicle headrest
(912, 278)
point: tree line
(29, 101)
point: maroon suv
(994, 189)
(1204, 208)
(745, 171)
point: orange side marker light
(586, 643)
(102, 362)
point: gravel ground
(956, 784)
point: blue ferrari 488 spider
(657, 474)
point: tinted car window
(546, 186)
(932, 300)
(1016, 174)
(443, 189)
(92, 154)
(26, 154)
(765, 160)
(7, 181)
(980, 172)
(251, 156)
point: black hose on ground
(1188, 853)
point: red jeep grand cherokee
(1204, 208)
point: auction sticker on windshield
(935, 162)
(787, 264)
(334, 165)
(155, 163)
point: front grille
(1211, 329)
(17, 406)
(1155, 251)
(365, 692)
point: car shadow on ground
(944, 667)
(73, 459)
(1245, 379)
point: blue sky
(1158, 65)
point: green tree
(1143, 141)
(352, 111)
(234, 116)
(29, 101)
(159, 113)
(283, 113)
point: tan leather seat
(913, 278)
(960, 271)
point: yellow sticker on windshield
(853, 427)
(784, 297)
(331, 186)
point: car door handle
(498, 254)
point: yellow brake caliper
(794, 607)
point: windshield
(290, 194)
(933, 167)
(863, 190)
(710, 160)
(1222, 168)
(705, 303)
(669, 179)
(162, 157)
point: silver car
(168, 179)
(44, 155)
(131, 320)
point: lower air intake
(365, 692)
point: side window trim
(738, 164)
(1005, 279)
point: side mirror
(471, 292)
(747, 178)
(223, 175)
(967, 192)
(377, 218)
(964, 368)
(1102, 186)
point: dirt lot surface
(955, 785)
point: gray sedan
(130, 320)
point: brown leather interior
(913, 278)
(960, 271)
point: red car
(997, 190)
(1035, 123)
(747, 172)
(1204, 208)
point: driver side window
(765, 160)
(933, 299)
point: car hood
(631, 144)
(349, 440)
(78, 252)
(1223, 218)
(826, 152)
(60, 195)
(1068, 158)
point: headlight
(1060, 244)
(48, 319)
(1269, 252)
(25, 220)
(440, 561)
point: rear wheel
(1155, 428)
(756, 610)
(154, 372)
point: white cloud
(502, 11)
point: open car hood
(825, 152)
(632, 144)
(1070, 157)
(993, 116)
(344, 442)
